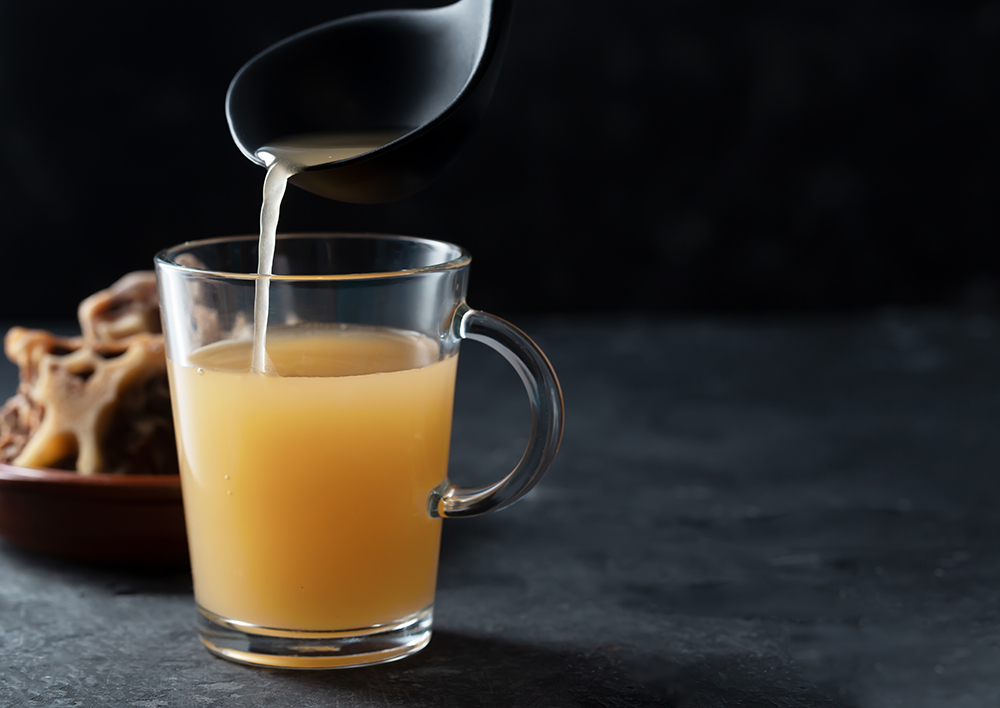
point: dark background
(677, 157)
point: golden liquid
(306, 492)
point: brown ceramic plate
(128, 519)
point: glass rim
(164, 257)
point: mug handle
(451, 500)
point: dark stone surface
(772, 513)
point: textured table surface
(771, 513)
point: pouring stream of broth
(284, 158)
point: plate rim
(26, 475)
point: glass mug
(314, 494)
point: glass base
(289, 649)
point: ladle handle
(452, 500)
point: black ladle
(428, 72)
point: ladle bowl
(428, 72)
